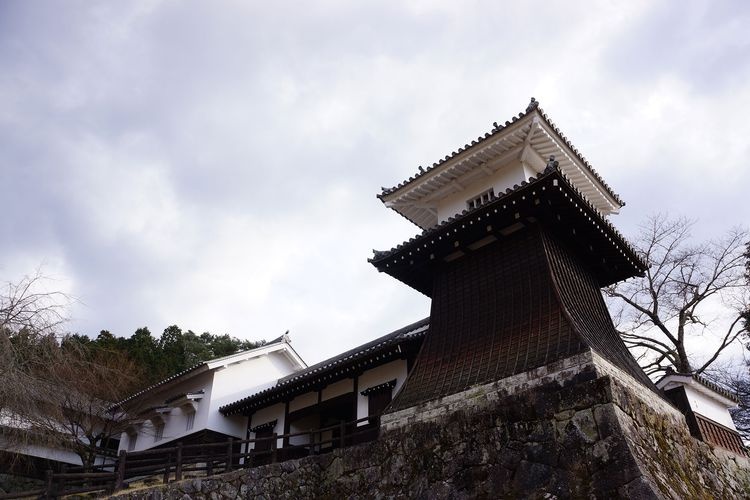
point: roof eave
(427, 239)
(462, 154)
(410, 333)
(532, 113)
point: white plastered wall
(236, 381)
(269, 414)
(709, 407)
(376, 376)
(175, 421)
(308, 423)
(505, 177)
(303, 401)
(220, 386)
(32, 450)
(337, 389)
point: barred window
(481, 199)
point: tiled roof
(715, 387)
(413, 331)
(466, 215)
(704, 382)
(194, 368)
(533, 106)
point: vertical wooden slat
(287, 426)
(178, 463)
(167, 468)
(230, 450)
(61, 483)
(50, 488)
(120, 477)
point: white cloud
(215, 166)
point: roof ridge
(355, 350)
(393, 336)
(532, 106)
(422, 171)
(379, 254)
(714, 386)
(552, 168)
(186, 371)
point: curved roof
(204, 366)
(689, 378)
(547, 196)
(325, 370)
(531, 130)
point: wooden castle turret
(514, 250)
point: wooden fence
(200, 460)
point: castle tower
(514, 249)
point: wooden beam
(494, 163)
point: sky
(214, 164)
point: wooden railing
(199, 460)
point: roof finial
(551, 164)
(285, 338)
(532, 105)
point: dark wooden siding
(511, 306)
(494, 313)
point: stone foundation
(579, 428)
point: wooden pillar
(49, 492)
(285, 441)
(167, 469)
(120, 478)
(61, 483)
(178, 463)
(356, 398)
(230, 452)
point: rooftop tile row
(533, 105)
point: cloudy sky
(215, 164)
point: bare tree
(55, 393)
(27, 305)
(70, 405)
(689, 290)
(28, 313)
(735, 379)
(29, 317)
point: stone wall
(570, 433)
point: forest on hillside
(156, 358)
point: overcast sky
(214, 164)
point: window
(132, 438)
(377, 402)
(158, 431)
(264, 435)
(190, 420)
(379, 397)
(481, 199)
